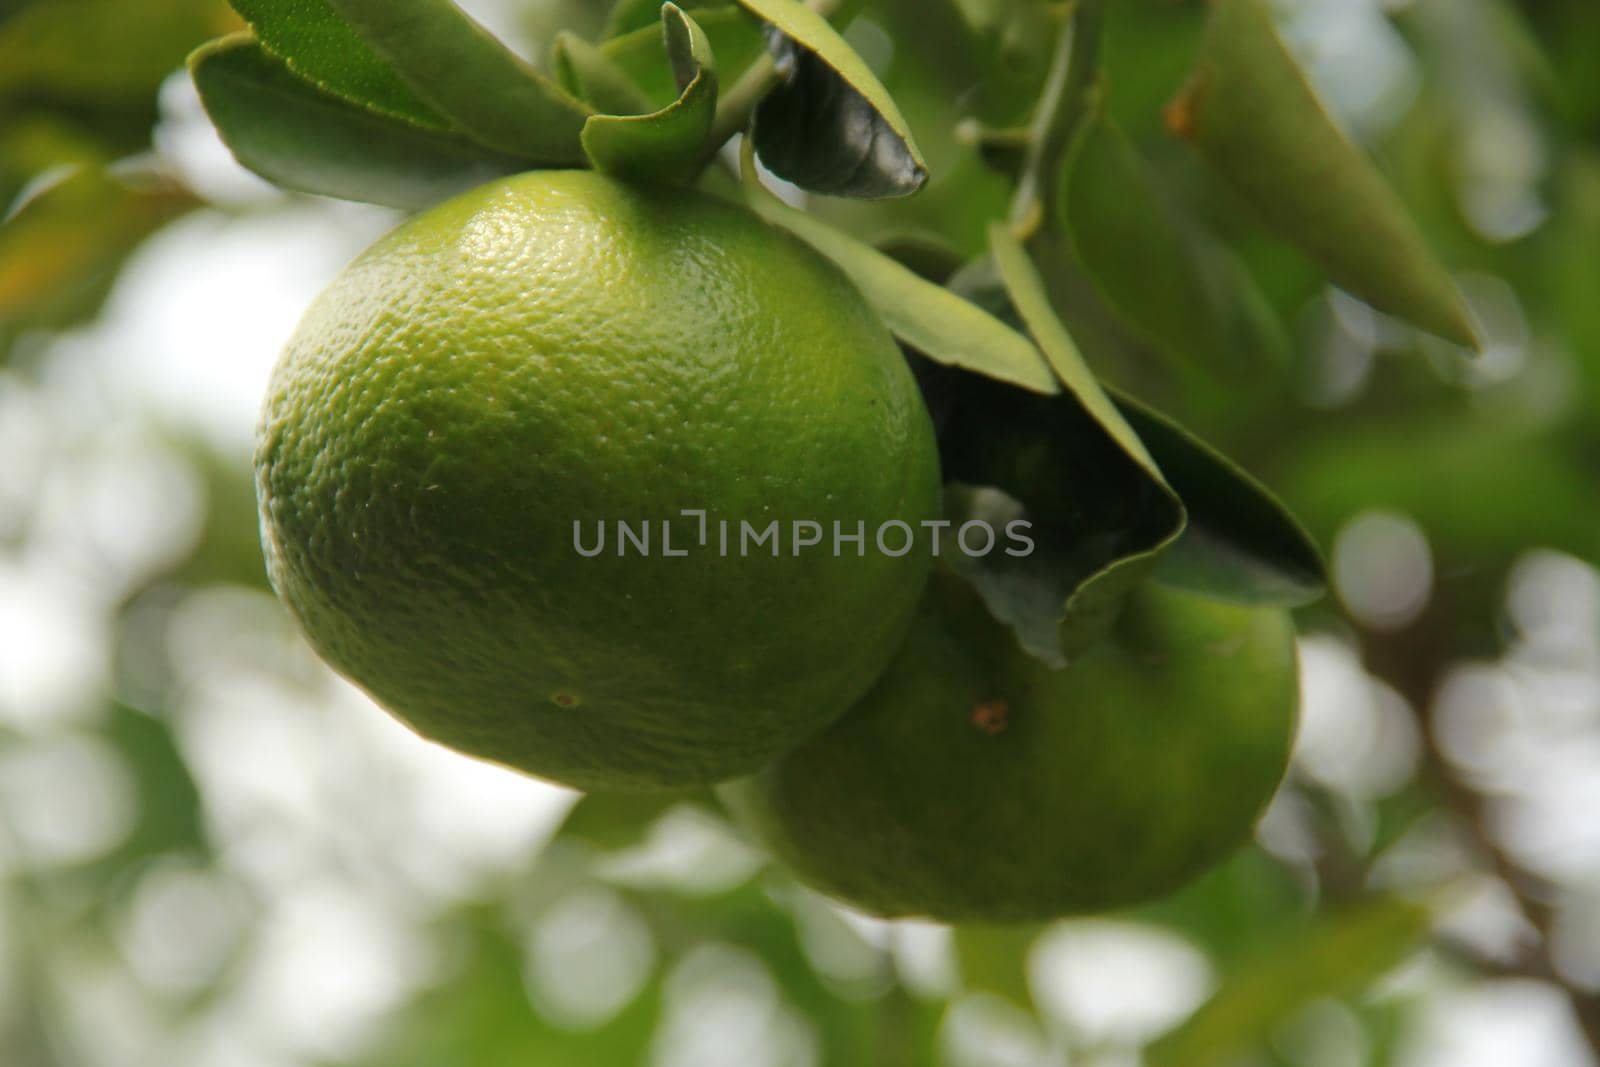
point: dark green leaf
(1251, 113)
(1096, 519)
(930, 318)
(1185, 293)
(292, 133)
(831, 127)
(592, 76)
(315, 42)
(1240, 543)
(670, 145)
(462, 72)
(1339, 956)
(1071, 465)
(171, 818)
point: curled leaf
(1070, 465)
(1240, 543)
(831, 127)
(671, 144)
(735, 37)
(1094, 517)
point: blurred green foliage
(1494, 146)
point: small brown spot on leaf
(1179, 115)
(564, 700)
(991, 716)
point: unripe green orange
(551, 354)
(975, 783)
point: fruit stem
(1071, 90)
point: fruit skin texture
(976, 784)
(559, 347)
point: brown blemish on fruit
(991, 716)
(564, 700)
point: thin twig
(1067, 97)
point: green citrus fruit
(975, 783)
(499, 380)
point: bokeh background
(214, 853)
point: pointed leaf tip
(1252, 115)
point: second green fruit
(977, 784)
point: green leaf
(1187, 295)
(1096, 518)
(1338, 957)
(461, 71)
(101, 51)
(1251, 114)
(1071, 465)
(994, 959)
(60, 251)
(831, 127)
(588, 73)
(670, 145)
(1241, 543)
(292, 133)
(170, 806)
(1026, 290)
(928, 317)
(735, 38)
(315, 42)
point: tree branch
(1413, 662)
